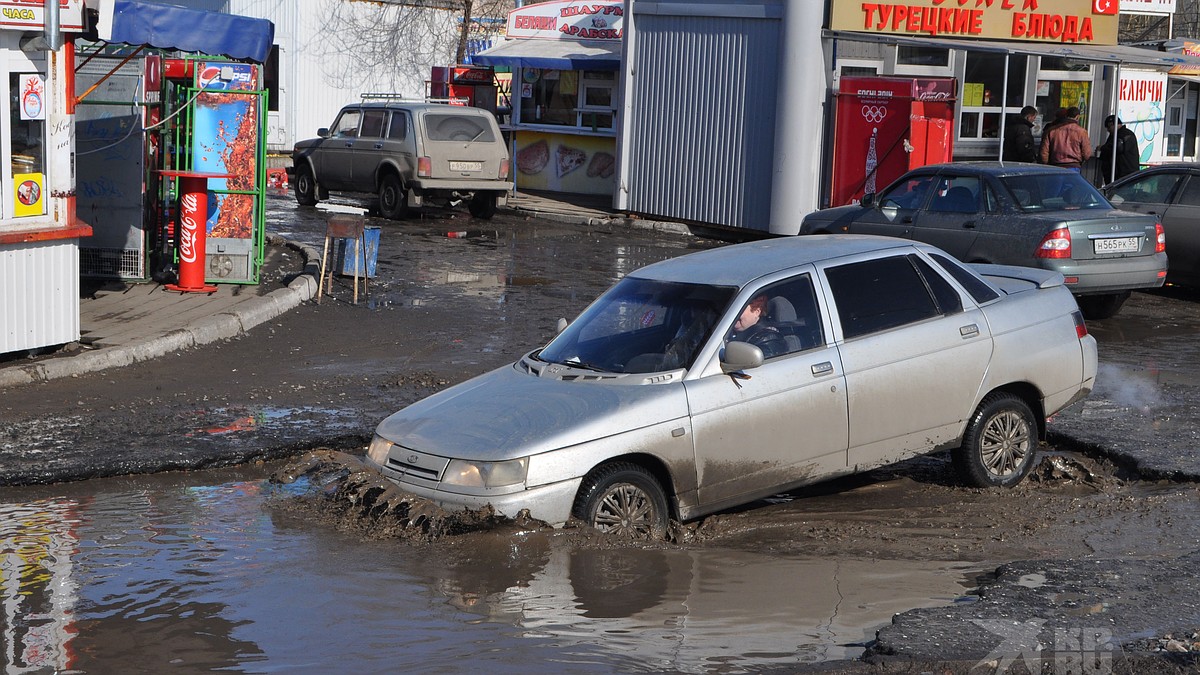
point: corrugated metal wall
(39, 294)
(704, 88)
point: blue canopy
(552, 54)
(190, 30)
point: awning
(190, 30)
(1111, 54)
(553, 54)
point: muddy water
(225, 570)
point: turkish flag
(1104, 6)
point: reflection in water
(222, 570)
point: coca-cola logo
(188, 232)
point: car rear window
(977, 287)
(452, 127)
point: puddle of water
(198, 571)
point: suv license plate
(466, 166)
(1116, 245)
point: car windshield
(641, 326)
(1053, 192)
(451, 127)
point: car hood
(509, 413)
(826, 215)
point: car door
(958, 205)
(1181, 222)
(368, 149)
(399, 145)
(914, 351)
(335, 161)
(782, 424)
(894, 209)
(1148, 192)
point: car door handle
(349, 144)
(970, 330)
(970, 225)
(906, 219)
(823, 368)
(378, 146)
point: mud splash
(356, 497)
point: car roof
(739, 264)
(998, 169)
(418, 106)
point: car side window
(979, 290)
(373, 122)
(398, 130)
(908, 194)
(956, 194)
(990, 203)
(879, 294)
(1155, 189)
(347, 124)
(948, 299)
(1190, 195)
(788, 321)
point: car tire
(1098, 307)
(393, 202)
(306, 186)
(622, 499)
(482, 205)
(1001, 440)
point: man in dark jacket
(1128, 154)
(1018, 137)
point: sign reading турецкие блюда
(1070, 21)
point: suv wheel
(306, 186)
(482, 205)
(393, 203)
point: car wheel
(623, 499)
(393, 203)
(482, 205)
(1097, 307)
(306, 186)
(998, 448)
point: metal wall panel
(703, 90)
(39, 294)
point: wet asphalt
(457, 296)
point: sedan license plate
(1116, 245)
(466, 166)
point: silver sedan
(717, 378)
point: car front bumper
(551, 503)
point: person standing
(1127, 152)
(1018, 137)
(1067, 144)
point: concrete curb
(610, 221)
(221, 326)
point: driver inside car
(752, 328)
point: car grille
(416, 465)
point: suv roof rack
(401, 98)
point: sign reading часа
(1070, 21)
(568, 20)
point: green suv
(408, 154)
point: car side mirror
(740, 356)
(868, 200)
(560, 326)
(323, 132)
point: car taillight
(424, 167)
(1160, 239)
(504, 166)
(1080, 326)
(1056, 244)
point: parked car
(1016, 214)
(408, 154)
(643, 408)
(1170, 192)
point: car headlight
(468, 473)
(377, 452)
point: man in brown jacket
(1067, 144)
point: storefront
(564, 56)
(39, 233)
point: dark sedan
(1016, 214)
(1171, 192)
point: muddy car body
(407, 153)
(1016, 214)
(643, 408)
(1172, 193)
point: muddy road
(453, 298)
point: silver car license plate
(466, 166)
(1116, 245)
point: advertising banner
(28, 189)
(566, 163)
(30, 15)
(1070, 21)
(1147, 6)
(568, 20)
(1140, 106)
(872, 124)
(32, 90)
(226, 136)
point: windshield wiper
(584, 365)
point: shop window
(27, 135)
(982, 91)
(572, 98)
(1064, 65)
(922, 56)
(1055, 94)
(271, 79)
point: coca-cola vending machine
(885, 126)
(464, 85)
